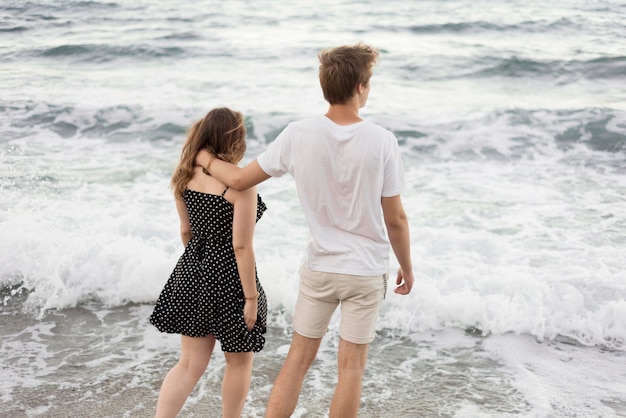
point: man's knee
(303, 349)
(352, 356)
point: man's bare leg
(351, 364)
(286, 390)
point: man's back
(341, 173)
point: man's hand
(404, 282)
(204, 159)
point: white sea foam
(528, 244)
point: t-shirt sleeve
(274, 160)
(394, 182)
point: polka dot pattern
(203, 295)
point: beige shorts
(320, 293)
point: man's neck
(344, 114)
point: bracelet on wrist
(255, 297)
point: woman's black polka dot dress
(203, 296)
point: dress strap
(224, 192)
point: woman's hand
(250, 310)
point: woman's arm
(244, 221)
(235, 177)
(185, 225)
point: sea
(511, 119)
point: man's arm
(399, 237)
(235, 177)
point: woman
(214, 292)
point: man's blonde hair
(343, 68)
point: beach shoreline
(448, 373)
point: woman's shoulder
(205, 184)
(241, 197)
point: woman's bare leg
(236, 383)
(195, 353)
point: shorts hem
(309, 334)
(357, 340)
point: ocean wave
(489, 68)
(513, 133)
(529, 26)
(94, 53)
(182, 36)
(595, 134)
(605, 67)
(91, 4)
(116, 123)
(17, 6)
(511, 236)
(564, 72)
(31, 14)
(13, 28)
(480, 315)
(510, 135)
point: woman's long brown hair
(222, 132)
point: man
(348, 174)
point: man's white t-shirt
(341, 173)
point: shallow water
(112, 361)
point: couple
(349, 176)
